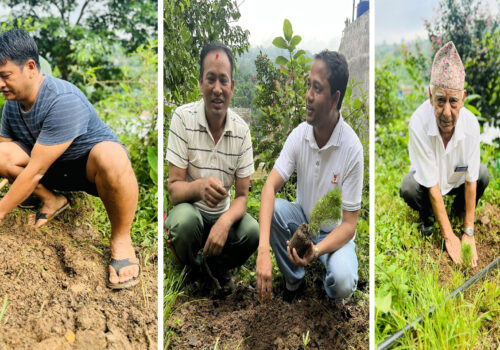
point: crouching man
(52, 139)
(445, 157)
(326, 153)
(209, 149)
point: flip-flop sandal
(117, 265)
(48, 217)
(31, 202)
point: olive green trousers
(187, 230)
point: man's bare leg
(109, 168)
(13, 160)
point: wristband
(469, 231)
(316, 252)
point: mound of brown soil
(54, 282)
(241, 318)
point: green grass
(4, 307)
(172, 289)
(407, 267)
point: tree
(244, 89)
(281, 95)
(475, 31)
(80, 37)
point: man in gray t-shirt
(51, 138)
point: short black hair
(339, 72)
(215, 46)
(19, 47)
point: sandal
(117, 265)
(31, 202)
(48, 217)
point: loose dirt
(53, 280)
(240, 319)
(487, 236)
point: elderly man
(444, 155)
(209, 150)
(326, 153)
(52, 139)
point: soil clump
(301, 240)
(54, 281)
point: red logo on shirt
(335, 176)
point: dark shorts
(66, 175)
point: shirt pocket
(456, 176)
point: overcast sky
(397, 20)
(318, 22)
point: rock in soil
(301, 240)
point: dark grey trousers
(417, 196)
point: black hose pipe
(389, 341)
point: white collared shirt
(338, 163)
(191, 146)
(431, 163)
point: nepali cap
(447, 69)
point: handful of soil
(301, 240)
(326, 210)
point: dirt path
(53, 281)
(240, 318)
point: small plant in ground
(325, 211)
(466, 252)
(305, 339)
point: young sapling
(327, 210)
(466, 252)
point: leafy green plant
(355, 113)
(281, 95)
(153, 164)
(326, 210)
(78, 38)
(131, 110)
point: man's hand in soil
(472, 242)
(296, 259)
(264, 268)
(216, 238)
(212, 191)
(453, 247)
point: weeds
(4, 307)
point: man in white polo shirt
(444, 155)
(326, 153)
(209, 149)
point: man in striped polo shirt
(326, 153)
(51, 138)
(209, 149)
